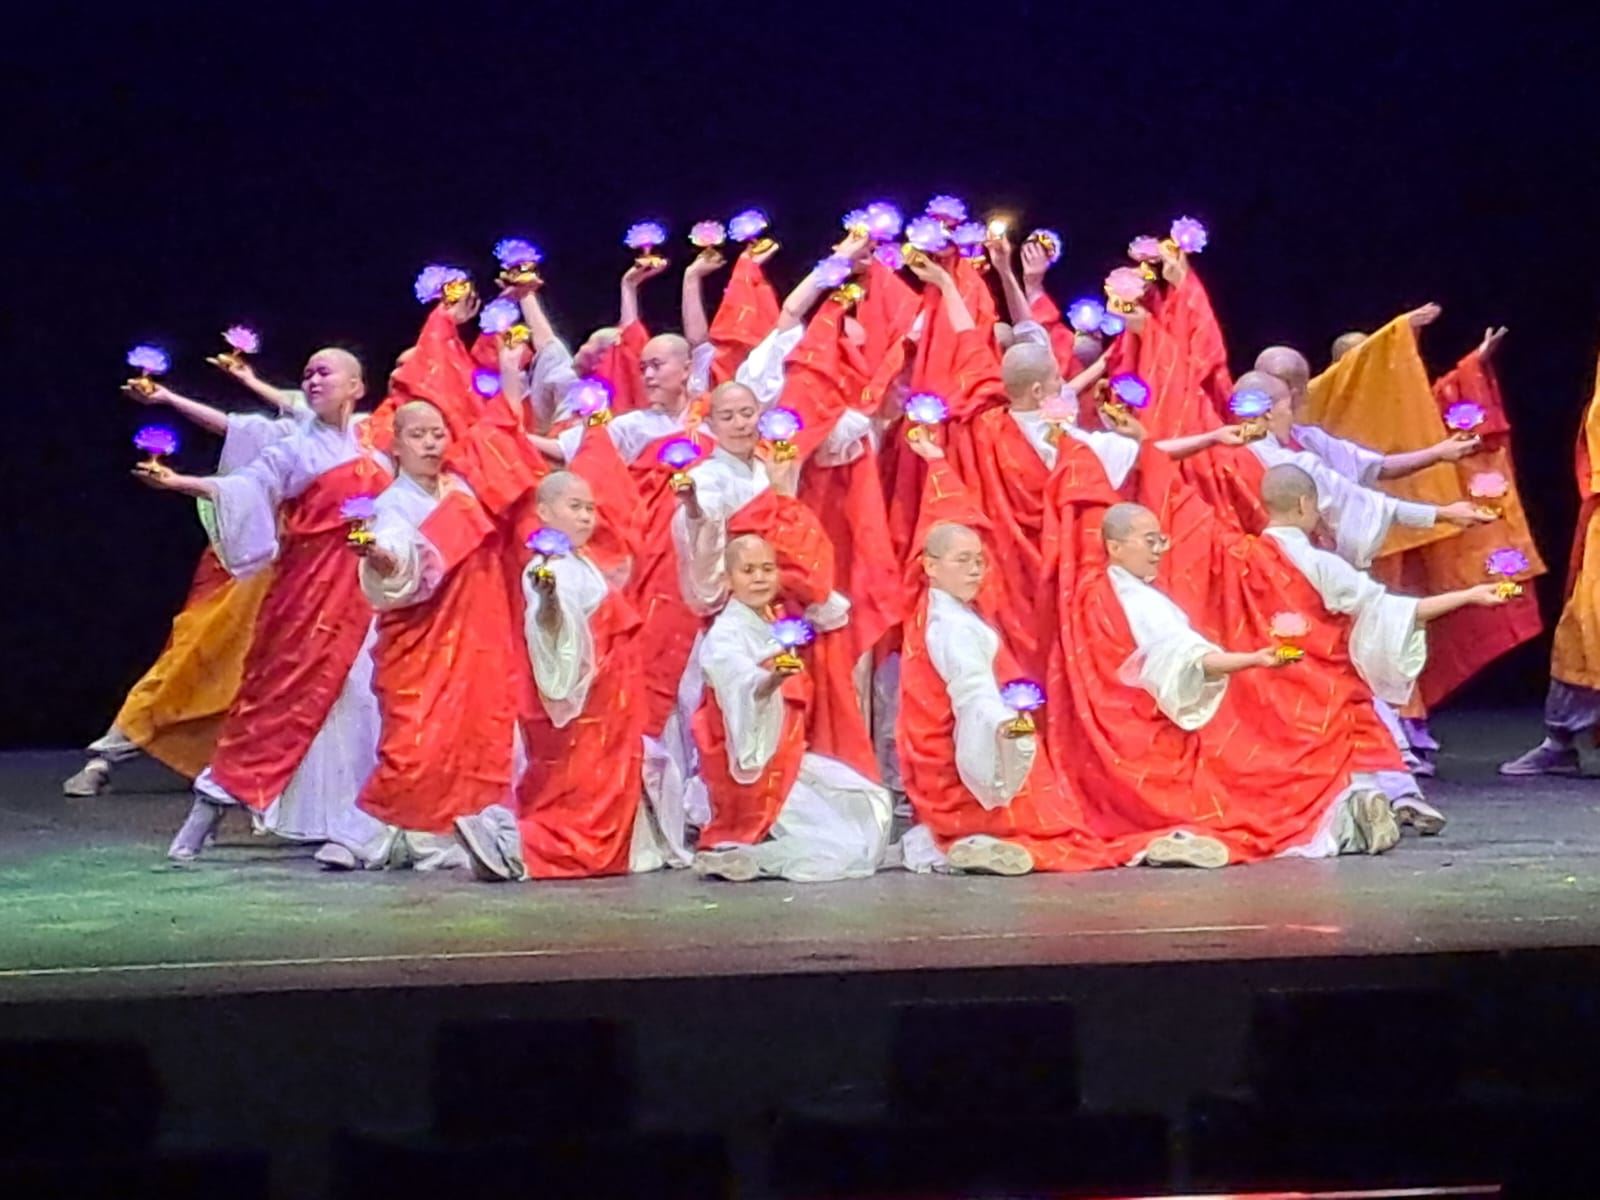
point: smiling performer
(301, 736)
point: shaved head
(333, 382)
(752, 567)
(1347, 342)
(345, 360)
(1260, 381)
(411, 410)
(674, 344)
(1134, 540)
(954, 561)
(1122, 519)
(746, 544)
(1284, 487)
(558, 483)
(664, 369)
(1288, 364)
(565, 502)
(1025, 364)
(948, 536)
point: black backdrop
(181, 168)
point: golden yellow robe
(1575, 654)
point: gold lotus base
(456, 291)
(518, 335)
(360, 536)
(598, 418)
(233, 358)
(1253, 430)
(1289, 654)
(1508, 588)
(648, 261)
(1487, 510)
(144, 385)
(544, 572)
(787, 662)
(680, 481)
(850, 293)
(519, 277)
(783, 452)
(1022, 725)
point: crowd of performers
(908, 569)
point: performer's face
(332, 384)
(732, 421)
(420, 443)
(1141, 552)
(665, 371)
(572, 512)
(753, 576)
(960, 569)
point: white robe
(834, 824)
(1117, 454)
(1169, 654)
(319, 803)
(1358, 516)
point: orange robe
(1575, 652)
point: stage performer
(301, 736)
(778, 808)
(582, 808)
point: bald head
(565, 502)
(1289, 495)
(1121, 520)
(947, 536)
(414, 411)
(1134, 540)
(954, 561)
(1347, 342)
(664, 368)
(1288, 364)
(752, 567)
(1030, 375)
(333, 383)
(561, 483)
(420, 440)
(1274, 388)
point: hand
(925, 269)
(1002, 253)
(1174, 264)
(1120, 420)
(690, 499)
(1035, 262)
(1454, 449)
(1269, 658)
(235, 366)
(708, 260)
(1464, 512)
(1491, 340)
(545, 582)
(1230, 435)
(135, 390)
(923, 444)
(465, 309)
(1426, 315)
(854, 247)
(1486, 595)
(637, 274)
(784, 476)
(381, 560)
(510, 359)
(156, 475)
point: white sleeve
(992, 766)
(846, 442)
(247, 509)
(1030, 331)
(701, 544)
(1117, 454)
(1350, 459)
(829, 614)
(753, 726)
(1359, 517)
(247, 435)
(1414, 515)
(700, 359)
(418, 575)
(563, 664)
(552, 374)
(762, 369)
(1167, 663)
(570, 439)
(1388, 646)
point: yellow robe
(1575, 653)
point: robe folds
(441, 671)
(1575, 652)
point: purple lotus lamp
(1125, 393)
(242, 342)
(643, 238)
(855, 223)
(884, 221)
(1504, 565)
(1112, 325)
(950, 211)
(778, 427)
(925, 235)
(890, 255)
(834, 271)
(360, 512)
(547, 545)
(1025, 697)
(707, 235)
(1050, 241)
(925, 412)
(1145, 250)
(486, 382)
(1086, 315)
(149, 361)
(678, 456)
(519, 263)
(498, 316)
(156, 442)
(1251, 407)
(1286, 629)
(750, 228)
(1463, 417)
(969, 237)
(1488, 485)
(791, 633)
(435, 282)
(590, 398)
(1188, 235)
(1125, 289)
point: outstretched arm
(281, 399)
(212, 420)
(1222, 663)
(1483, 595)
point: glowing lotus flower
(152, 360)
(517, 252)
(1464, 416)
(1488, 485)
(792, 632)
(359, 508)
(1130, 390)
(748, 225)
(242, 338)
(969, 237)
(499, 315)
(645, 236)
(1052, 242)
(1145, 249)
(833, 271)
(1125, 284)
(1022, 695)
(889, 255)
(678, 454)
(1290, 625)
(927, 234)
(1112, 325)
(1085, 315)
(706, 234)
(925, 408)
(551, 543)
(884, 221)
(1506, 562)
(1190, 235)
(950, 209)
(486, 382)
(1250, 404)
(588, 396)
(432, 279)
(855, 221)
(156, 440)
(779, 424)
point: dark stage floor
(93, 910)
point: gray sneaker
(1375, 822)
(91, 781)
(1544, 759)
(1181, 848)
(990, 856)
(1416, 813)
(489, 862)
(736, 864)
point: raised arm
(628, 311)
(696, 327)
(212, 420)
(955, 308)
(540, 331)
(281, 399)
(1003, 255)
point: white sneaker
(1184, 849)
(1375, 822)
(91, 781)
(331, 856)
(736, 865)
(488, 861)
(1418, 814)
(990, 856)
(196, 831)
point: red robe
(748, 313)
(307, 634)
